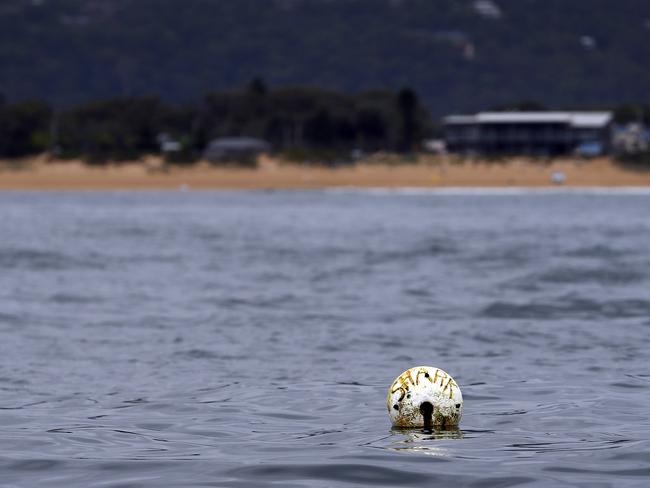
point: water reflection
(423, 442)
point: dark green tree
(119, 129)
(258, 87)
(522, 106)
(372, 129)
(24, 129)
(407, 102)
(319, 129)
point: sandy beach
(381, 171)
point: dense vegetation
(298, 121)
(455, 55)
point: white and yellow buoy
(424, 397)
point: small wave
(42, 260)
(634, 472)
(198, 354)
(13, 381)
(31, 465)
(338, 473)
(604, 276)
(10, 319)
(65, 298)
(430, 250)
(288, 416)
(272, 302)
(146, 258)
(597, 251)
(511, 256)
(629, 385)
(579, 308)
(134, 231)
(569, 445)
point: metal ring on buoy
(425, 397)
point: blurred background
(329, 81)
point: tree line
(303, 121)
(300, 123)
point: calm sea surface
(248, 339)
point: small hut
(235, 149)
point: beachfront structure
(235, 149)
(529, 133)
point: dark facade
(529, 133)
(235, 149)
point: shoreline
(376, 173)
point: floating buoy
(424, 397)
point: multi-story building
(529, 133)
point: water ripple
(247, 339)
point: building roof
(584, 120)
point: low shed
(235, 149)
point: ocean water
(183, 339)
